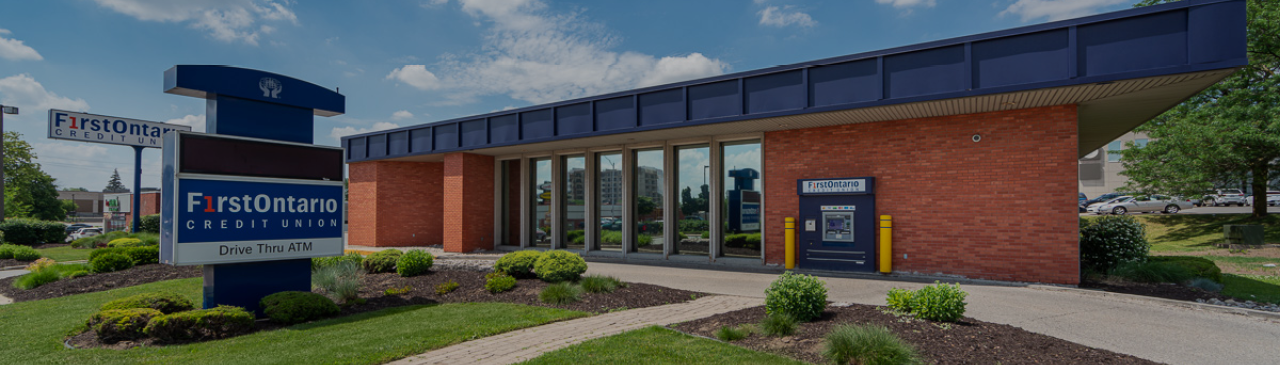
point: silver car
(1096, 208)
(1147, 204)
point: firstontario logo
(270, 87)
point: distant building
(1100, 169)
(86, 201)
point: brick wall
(1003, 208)
(468, 202)
(395, 203)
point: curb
(1275, 316)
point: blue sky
(402, 63)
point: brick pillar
(468, 202)
(395, 203)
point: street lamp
(4, 109)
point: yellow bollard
(791, 243)
(886, 244)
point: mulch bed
(98, 282)
(1158, 290)
(969, 341)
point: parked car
(1273, 200)
(1104, 198)
(76, 227)
(1144, 204)
(1226, 197)
(1095, 208)
(1082, 199)
(1249, 199)
(85, 232)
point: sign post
(251, 210)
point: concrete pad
(8, 274)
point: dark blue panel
(377, 145)
(1133, 44)
(356, 148)
(399, 142)
(780, 91)
(242, 285)
(573, 119)
(474, 133)
(203, 80)
(504, 128)
(249, 118)
(720, 99)
(537, 124)
(616, 113)
(931, 71)
(446, 136)
(420, 140)
(662, 107)
(1214, 32)
(842, 83)
(1023, 59)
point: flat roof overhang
(1121, 68)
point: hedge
(30, 232)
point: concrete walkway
(8, 274)
(521, 345)
(1134, 326)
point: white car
(1227, 197)
(1148, 204)
(1095, 208)
(1271, 196)
(85, 232)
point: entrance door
(837, 232)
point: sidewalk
(521, 345)
(1143, 328)
(7, 274)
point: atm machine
(837, 225)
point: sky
(410, 62)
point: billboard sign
(84, 127)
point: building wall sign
(835, 186)
(96, 128)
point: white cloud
(912, 3)
(13, 49)
(783, 17)
(1058, 9)
(401, 115)
(433, 3)
(195, 121)
(339, 132)
(30, 97)
(225, 20)
(532, 55)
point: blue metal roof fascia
(1064, 25)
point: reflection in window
(1113, 151)
(510, 203)
(647, 205)
(540, 190)
(609, 200)
(741, 208)
(693, 164)
(573, 198)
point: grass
(867, 344)
(32, 332)
(730, 334)
(65, 253)
(656, 345)
(1252, 287)
(560, 293)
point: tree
(114, 185)
(690, 205)
(1229, 132)
(69, 205)
(30, 191)
(645, 206)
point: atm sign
(834, 186)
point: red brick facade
(997, 209)
(468, 202)
(395, 203)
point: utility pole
(3, 110)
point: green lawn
(32, 332)
(1257, 288)
(656, 345)
(65, 253)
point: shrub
(560, 293)
(78, 274)
(518, 264)
(40, 264)
(292, 307)
(414, 263)
(115, 325)
(706, 235)
(744, 240)
(402, 290)
(728, 334)
(867, 345)
(693, 225)
(778, 324)
(125, 242)
(497, 282)
(24, 253)
(165, 302)
(803, 297)
(341, 281)
(27, 231)
(148, 239)
(900, 299)
(149, 223)
(1110, 241)
(6, 251)
(103, 251)
(446, 287)
(576, 237)
(319, 262)
(35, 279)
(100, 240)
(1153, 272)
(600, 283)
(143, 255)
(939, 302)
(110, 262)
(382, 261)
(643, 240)
(205, 324)
(556, 266)
(1200, 266)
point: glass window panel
(693, 164)
(649, 191)
(741, 207)
(510, 203)
(540, 190)
(1141, 142)
(573, 200)
(609, 200)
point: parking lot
(1215, 210)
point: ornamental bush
(27, 231)
(341, 280)
(1107, 242)
(600, 283)
(35, 279)
(6, 251)
(518, 264)
(560, 293)
(115, 325)
(446, 287)
(900, 299)
(382, 261)
(99, 240)
(197, 325)
(165, 302)
(149, 223)
(497, 282)
(556, 266)
(414, 263)
(867, 344)
(292, 307)
(319, 262)
(939, 302)
(125, 242)
(803, 297)
(778, 325)
(24, 253)
(1153, 272)
(110, 262)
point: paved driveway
(1169, 334)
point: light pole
(3, 110)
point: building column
(468, 202)
(393, 203)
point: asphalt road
(1213, 210)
